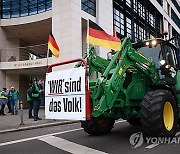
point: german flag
(97, 36)
(52, 45)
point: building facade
(25, 26)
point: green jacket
(14, 95)
(35, 91)
(29, 95)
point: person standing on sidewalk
(14, 97)
(41, 91)
(3, 100)
(36, 98)
(30, 101)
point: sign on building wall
(65, 94)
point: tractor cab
(163, 53)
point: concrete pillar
(84, 35)
(9, 48)
(2, 46)
(2, 79)
(66, 26)
(105, 20)
(23, 86)
(12, 80)
(12, 47)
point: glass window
(151, 18)
(41, 6)
(170, 56)
(20, 8)
(6, 15)
(139, 8)
(128, 3)
(176, 5)
(153, 54)
(119, 21)
(48, 4)
(135, 6)
(160, 2)
(175, 18)
(89, 6)
(128, 24)
(139, 32)
(137, 23)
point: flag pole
(88, 37)
(48, 52)
(47, 56)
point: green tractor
(140, 84)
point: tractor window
(169, 56)
(153, 54)
(178, 57)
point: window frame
(90, 9)
(21, 8)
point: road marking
(119, 121)
(37, 137)
(69, 146)
(152, 146)
(177, 134)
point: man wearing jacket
(14, 97)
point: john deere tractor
(140, 84)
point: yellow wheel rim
(168, 116)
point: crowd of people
(34, 97)
(9, 97)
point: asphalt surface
(71, 138)
(11, 123)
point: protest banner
(65, 94)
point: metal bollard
(21, 108)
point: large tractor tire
(98, 125)
(134, 122)
(159, 114)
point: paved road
(72, 139)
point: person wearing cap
(14, 97)
(3, 100)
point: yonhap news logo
(137, 139)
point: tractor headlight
(168, 66)
(162, 62)
(154, 43)
(147, 43)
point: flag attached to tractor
(97, 36)
(52, 45)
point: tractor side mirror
(165, 33)
(110, 55)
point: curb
(37, 126)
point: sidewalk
(10, 123)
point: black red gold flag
(97, 36)
(52, 45)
